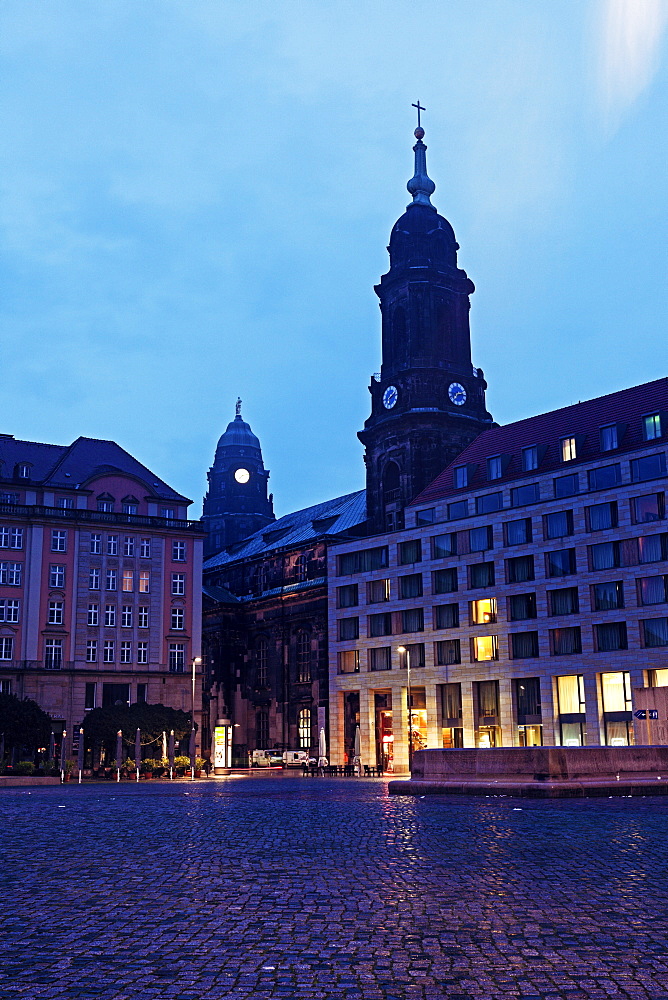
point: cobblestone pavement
(283, 887)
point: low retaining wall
(7, 781)
(538, 771)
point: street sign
(641, 713)
(647, 713)
(653, 713)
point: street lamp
(197, 662)
(407, 654)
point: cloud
(631, 35)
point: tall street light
(407, 653)
(197, 662)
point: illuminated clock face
(242, 475)
(457, 394)
(390, 397)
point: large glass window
(446, 616)
(410, 586)
(565, 641)
(601, 516)
(415, 651)
(410, 552)
(53, 654)
(605, 555)
(380, 624)
(521, 495)
(517, 532)
(304, 653)
(608, 595)
(649, 467)
(447, 652)
(519, 569)
(521, 607)
(177, 657)
(652, 548)
(566, 486)
(571, 694)
(459, 508)
(485, 647)
(561, 562)
(304, 728)
(347, 596)
(648, 508)
(489, 503)
(349, 661)
(261, 662)
(610, 636)
(349, 628)
(616, 695)
(481, 574)
(380, 658)
(262, 728)
(444, 581)
(652, 590)
(412, 620)
(378, 591)
(480, 539)
(605, 477)
(364, 561)
(483, 612)
(558, 524)
(655, 632)
(564, 601)
(523, 645)
(444, 545)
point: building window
(566, 486)
(128, 581)
(412, 620)
(112, 545)
(91, 651)
(6, 647)
(56, 576)
(654, 632)
(565, 641)
(105, 506)
(616, 695)
(571, 702)
(363, 562)
(461, 477)
(349, 628)
(142, 616)
(53, 654)
(410, 552)
(379, 625)
(10, 574)
(304, 728)
(481, 575)
(609, 437)
(521, 495)
(523, 645)
(142, 694)
(488, 503)
(494, 467)
(447, 652)
(177, 657)
(110, 615)
(9, 611)
(178, 551)
(651, 426)
(93, 578)
(126, 616)
(519, 569)
(178, 584)
(177, 618)
(444, 545)
(348, 661)
(126, 652)
(262, 728)
(24, 471)
(56, 609)
(96, 544)
(610, 636)
(111, 579)
(558, 524)
(568, 449)
(605, 555)
(652, 590)
(128, 546)
(446, 616)
(378, 591)
(301, 568)
(304, 656)
(605, 478)
(142, 652)
(347, 596)
(9, 497)
(517, 532)
(89, 697)
(459, 508)
(564, 601)
(410, 586)
(483, 612)
(529, 458)
(145, 548)
(11, 538)
(261, 662)
(414, 655)
(649, 467)
(601, 516)
(521, 607)
(167, 512)
(605, 596)
(444, 581)
(485, 647)
(93, 615)
(58, 541)
(130, 508)
(380, 658)
(652, 548)
(561, 562)
(480, 539)
(644, 510)
(426, 516)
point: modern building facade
(100, 581)
(526, 599)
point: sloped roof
(333, 517)
(220, 595)
(581, 420)
(71, 466)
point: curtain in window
(649, 547)
(603, 556)
(520, 570)
(444, 545)
(563, 602)
(411, 586)
(380, 659)
(653, 590)
(445, 581)
(488, 697)
(416, 653)
(451, 701)
(412, 620)
(565, 641)
(446, 616)
(522, 606)
(447, 652)
(528, 696)
(482, 575)
(606, 596)
(656, 632)
(517, 532)
(611, 636)
(524, 644)
(570, 693)
(600, 516)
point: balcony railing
(35, 512)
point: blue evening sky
(196, 197)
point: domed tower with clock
(236, 503)
(428, 401)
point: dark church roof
(624, 409)
(333, 517)
(71, 466)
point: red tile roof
(583, 420)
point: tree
(23, 723)
(101, 725)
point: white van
(295, 758)
(266, 758)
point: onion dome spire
(421, 186)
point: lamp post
(407, 654)
(197, 662)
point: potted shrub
(147, 767)
(24, 767)
(182, 764)
(128, 769)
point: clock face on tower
(390, 397)
(457, 394)
(242, 475)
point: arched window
(303, 657)
(301, 566)
(261, 658)
(304, 728)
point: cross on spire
(419, 109)
(238, 406)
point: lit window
(128, 581)
(651, 426)
(304, 728)
(58, 541)
(485, 647)
(568, 449)
(144, 582)
(56, 612)
(483, 612)
(349, 661)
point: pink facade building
(100, 581)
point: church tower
(236, 503)
(428, 401)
